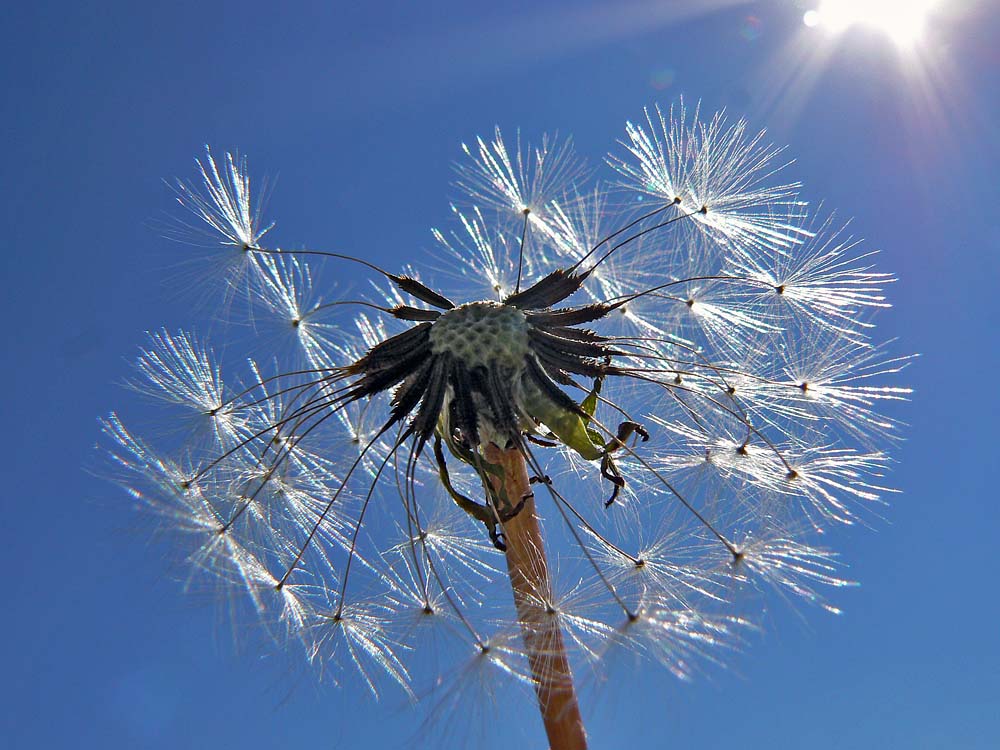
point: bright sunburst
(903, 20)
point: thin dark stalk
(520, 251)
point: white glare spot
(903, 20)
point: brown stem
(529, 578)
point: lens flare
(902, 20)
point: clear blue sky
(359, 109)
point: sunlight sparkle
(902, 20)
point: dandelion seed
(225, 217)
(678, 639)
(492, 258)
(714, 172)
(522, 184)
(222, 201)
(179, 369)
(829, 478)
(360, 633)
(824, 283)
(781, 561)
(836, 380)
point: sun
(902, 20)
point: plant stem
(529, 579)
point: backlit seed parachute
(690, 377)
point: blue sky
(359, 112)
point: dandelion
(682, 397)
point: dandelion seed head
(692, 395)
